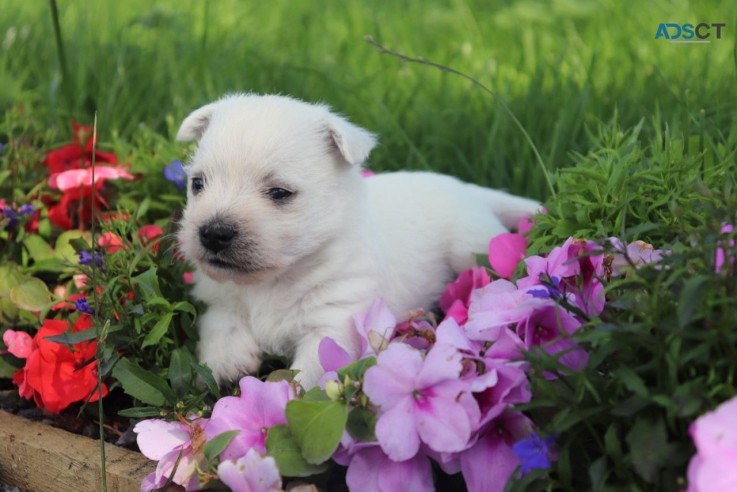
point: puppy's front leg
(227, 345)
(306, 358)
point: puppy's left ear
(194, 125)
(353, 143)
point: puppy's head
(272, 180)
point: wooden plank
(42, 458)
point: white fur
(342, 241)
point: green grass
(562, 67)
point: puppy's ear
(353, 143)
(196, 123)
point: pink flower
(498, 305)
(634, 254)
(111, 242)
(172, 444)
(490, 462)
(713, 468)
(250, 473)
(375, 327)
(505, 252)
(188, 277)
(19, 343)
(77, 178)
(550, 328)
(719, 258)
(420, 400)
(371, 470)
(260, 406)
(457, 296)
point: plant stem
(370, 40)
(98, 352)
(60, 52)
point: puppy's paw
(227, 347)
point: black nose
(217, 236)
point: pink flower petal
(393, 377)
(19, 343)
(371, 471)
(250, 473)
(332, 356)
(156, 437)
(398, 439)
(506, 251)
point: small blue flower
(12, 217)
(86, 258)
(175, 173)
(550, 289)
(1, 147)
(533, 452)
(26, 209)
(83, 306)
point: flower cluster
(445, 393)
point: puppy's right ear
(194, 125)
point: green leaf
(205, 374)
(180, 370)
(31, 295)
(315, 394)
(690, 299)
(649, 448)
(76, 337)
(317, 427)
(140, 412)
(281, 375)
(158, 331)
(141, 384)
(283, 447)
(38, 249)
(357, 369)
(149, 283)
(217, 444)
(63, 248)
(361, 424)
(6, 369)
(632, 381)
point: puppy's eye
(278, 194)
(198, 184)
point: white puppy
(289, 240)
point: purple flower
(260, 406)
(421, 400)
(250, 473)
(87, 258)
(534, 453)
(83, 306)
(172, 444)
(175, 173)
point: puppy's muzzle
(217, 235)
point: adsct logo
(685, 33)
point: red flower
(70, 172)
(111, 242)
(56, 376)
(149, 234)
(78, 154)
